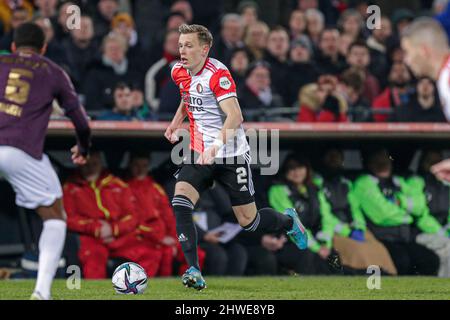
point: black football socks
(186, 231)
(269, 220)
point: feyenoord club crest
(199, 88)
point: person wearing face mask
(390, 207)
(396, 93)
(436, 194)
(102, 209)
(356, 245)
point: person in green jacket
(341, 203)
(296, 190)
(436, 194)
(390, 208)
(357, 247)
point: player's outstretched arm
(234, 119)
(442, 170)
(176, 123)
(68, 100)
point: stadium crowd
(305, 61)
(349, 73)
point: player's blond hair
(427, 31)
(204, 35)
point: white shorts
(34, 181)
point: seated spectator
(104, 74)
(396, 94)
(156, 226)
(103, 16)
(255, 39)
(102, 209)
(7, 9)
(158, 76)
(277, 55)
(62, 31)
(249, 12)
(185, 8)
(81, 50)
(423, 106)
(123, 24)
(315, 25)
(301, 68)
(222, 259)
(329, 60)
(390, 209)
(436, 195)
(231, 35)
(240, 60)
(351, 87)
(46, 9)
(345, 42)
(257, 96)
(377, 43)
(15, 17)
(357, 247)
(351, 23)
(321, 102)
(296, 190)
(297, 24)
(123, 106)
(359, 57)
(55, 51)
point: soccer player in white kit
(427, 53)
(219, 150)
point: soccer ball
(129, 278)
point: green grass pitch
(287, 288)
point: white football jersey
(443, 85)
(201, 95)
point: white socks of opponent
(51, 244)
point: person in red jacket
(102, 209)
(157, 223)
(396, 94)
(320, 102)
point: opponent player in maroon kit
(28, 85)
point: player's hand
(212, 237)
(208, 156)
(442, 170)
(105, 230)
(171, 135)
(77, 158)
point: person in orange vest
(103, 210)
